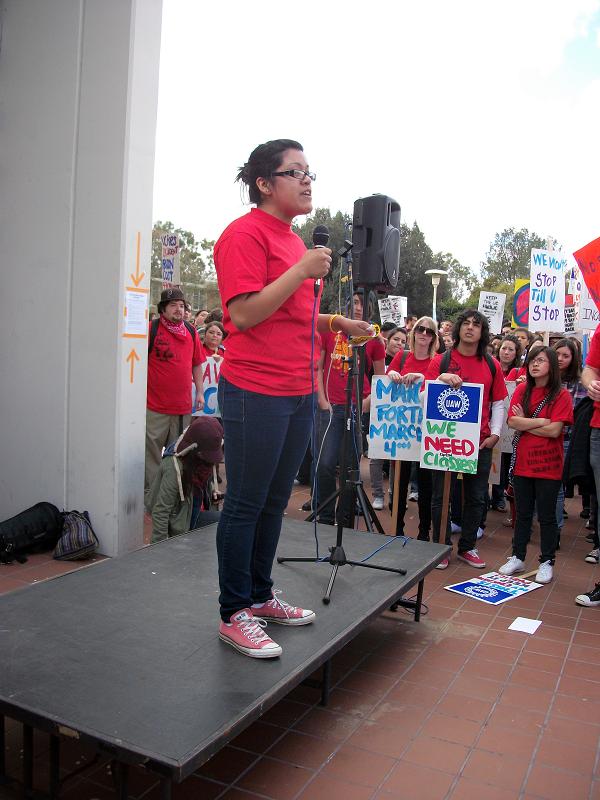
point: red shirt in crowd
(593, 360)
(272, 357)
(473, 369)
(334, 380)
(170, 365)
(411, 363)
(538, 457)
(516, 372)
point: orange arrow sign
(137, 278)
(132, 358)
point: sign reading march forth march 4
(395, 423)
(451, 425)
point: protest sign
(506, 434)
(210, 379)
(395, 430)
(170, 259)
(588, 317)
(569, 318)
(393, 309)
(395, 423)
(491, 305)
(451, 423)
(494, 588)
(520, 317)
(547, 294)
(588, 261)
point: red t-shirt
(593, 360)
(272, 357)
(334, 380)
(170, 371)
(515, 372)
(411, 363)
(538, 457)
(473, 369)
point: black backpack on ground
(33, 530)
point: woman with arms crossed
(267, 286)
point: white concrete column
(78, 99)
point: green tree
(338, 233)
(509, 256)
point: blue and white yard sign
(395, 423)
(451, 426)
(494, 588)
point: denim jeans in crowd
(329, 452)
(535, 494)
(265, 440)
(424, 501)
(474, 506)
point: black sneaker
(591, 598)
(590, 538)
(584, 513)
(307, 506)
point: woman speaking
(267, 285)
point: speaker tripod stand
(349, 481)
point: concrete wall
(78, 97)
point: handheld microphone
(320, 238)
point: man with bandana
(175, 357)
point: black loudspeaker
(376, 242)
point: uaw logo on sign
(450, 439)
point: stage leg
(2, 750)
(27, 760)
(326, 682)
(54, 765)
(121, 776)
(166, 786)
(419, 600)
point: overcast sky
(474, 116)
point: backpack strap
(154, 331)
(403, 359)
(491, 365)
(445, 363)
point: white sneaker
(414, 496)
(377, 503)
(544, 573)
(455, 528)
(512, 566)
(479, 533)
(593, 557)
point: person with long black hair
(539, 410)
(267, 389)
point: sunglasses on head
(423, 329)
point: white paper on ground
(525, 625)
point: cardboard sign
(588, 261)
(547, 293)
(395, 423)
(494, 588)
(588, 317)
(210, 379)
(393, 309)
(451, 426)
(520, 317)
(491, 305)
(170, 259)
(569, 319)
(506, 434)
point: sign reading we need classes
(451, 424)
(395, 423)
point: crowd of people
(281, 426)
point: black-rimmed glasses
(299, 174)
(423, 329)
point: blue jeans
(329, 452)
(265, 440)
(475, 502)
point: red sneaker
(471, 557)
(443, 564)
(276, 610)
(245, 633)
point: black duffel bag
(36, 529)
